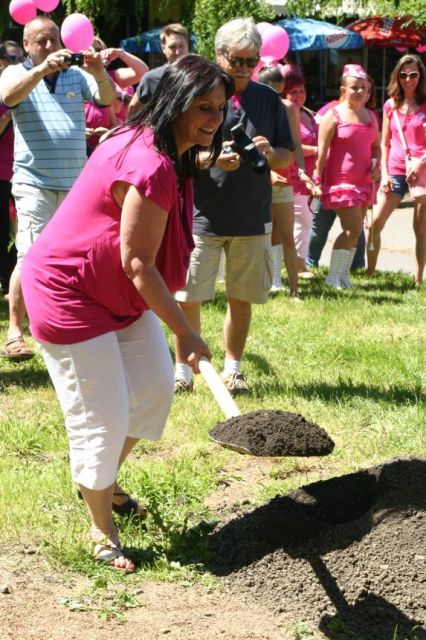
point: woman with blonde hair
(345, 169)
(403, 133)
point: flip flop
(17, 349)
(129, 509)
(105, 553)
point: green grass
(353, 362)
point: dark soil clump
(273, 433)
(346, 554)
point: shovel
(294, 445)
(223, 398)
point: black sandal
(128, 509)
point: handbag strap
(400, 131)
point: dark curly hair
(183, 81)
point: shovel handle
(218, 389)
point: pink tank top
(308, 135)
(349, 156)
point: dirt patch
(273, 433)
(346, 554)
(31, 610)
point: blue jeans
(321, 225)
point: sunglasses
(408, 75)
(238, 63)
(12, 58)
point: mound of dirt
(273, 433)
(346, 554)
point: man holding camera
(46, 96)
(233, 203)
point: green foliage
(209, 15)
(108, 9)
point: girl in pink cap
(347, 164)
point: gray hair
(240, 33)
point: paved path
(397, 252)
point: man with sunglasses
(233, 205)
(46, 97)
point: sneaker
(182, 386)
(236, 384)
(306, 275)
(275, 288)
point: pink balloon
(264, 27)
(22, 10)
(77, 32)
(46, 5)
(421, 48)
(400, 49)
(275, 42)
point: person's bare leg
(351, 220)
(16, 306)
(236, 328)
(129, 444)
(384, 208)
(192, 311)
(419, 226)
(283, 217)
(99, 504)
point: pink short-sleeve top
(414, 128)
(74, 285)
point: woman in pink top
(10, 53)
(103, 270)
(345, 168)
(407, 93)
(295, 92)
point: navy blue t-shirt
(149, 83)
(238, 203)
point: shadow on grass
(24, 376)
(344, 389)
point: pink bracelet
(316, 179)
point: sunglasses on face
(408, 75)
(11, 59)
(238, 63)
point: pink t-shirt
(96, 116)
(73, 281)
(6, 149)
(413, 127)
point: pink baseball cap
(354, 71)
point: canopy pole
(383, 75)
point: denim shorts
(399, 185)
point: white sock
(278, 261)
(231, 366)
(183, 372)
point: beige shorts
(249, 268)
(282, 195)
(34, 207)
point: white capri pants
(116, 385)
(302, 225)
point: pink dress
(413, 127)
(347, 172)
(74, 285)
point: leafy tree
(209, 15)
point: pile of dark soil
(346, 554)
(273, 433)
